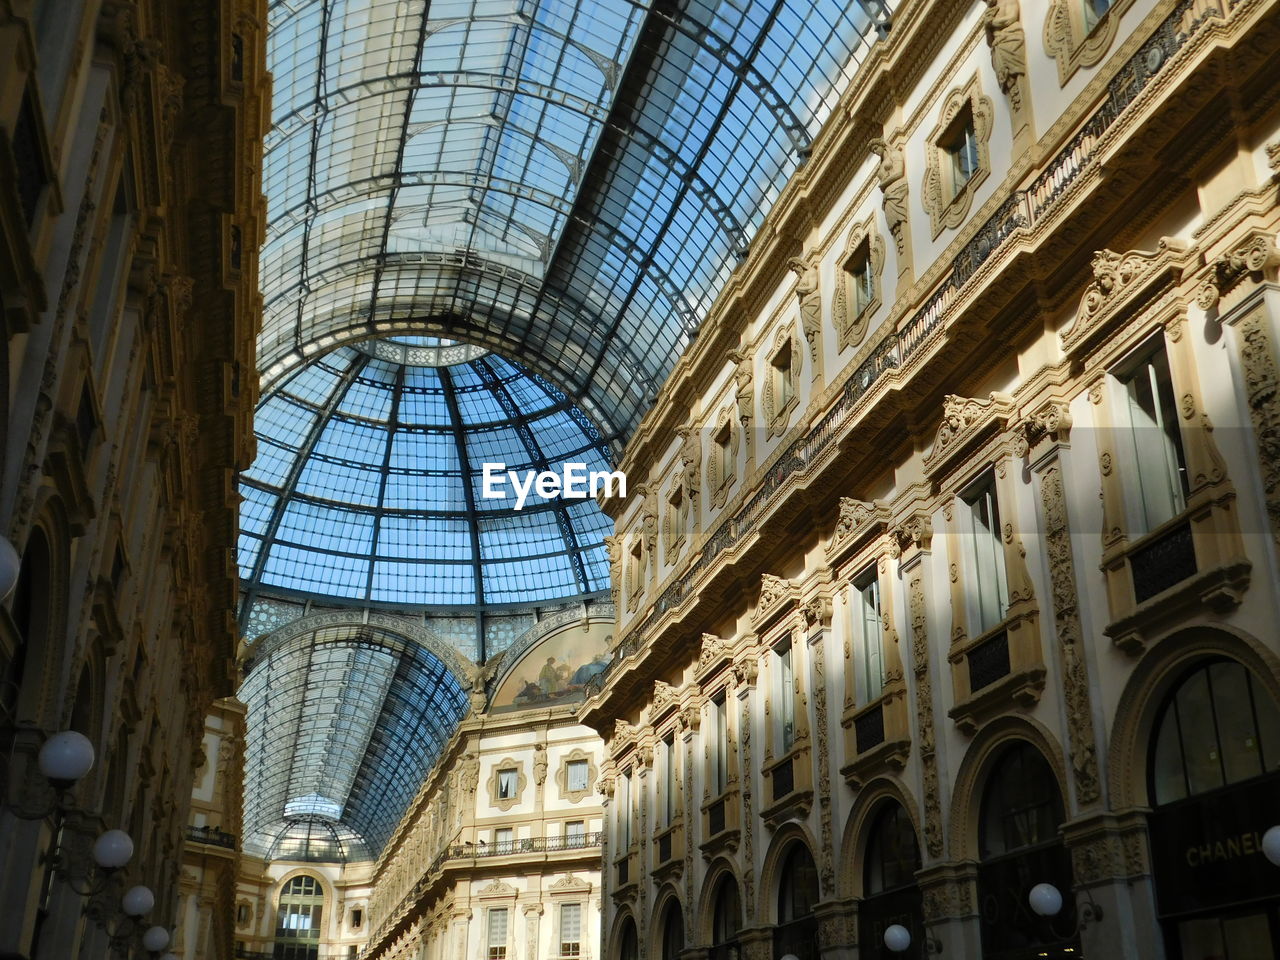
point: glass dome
(368, 483)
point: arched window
(797, 930)
(672, 931)
(893, 856)
(890, 894)
(726, 920)
(1022, 806)
(1217, 727)
(1020, 847)
(1214, 778)
(628, 943)
(298, 919)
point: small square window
(575, 833)
(504, 840)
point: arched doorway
(889, 891)
(672, 930)
(1214, 785)
(1020, 847)
(797, 928)
(726, 920)
(298, 918)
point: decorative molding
(777, 414)
(858, 520)
(947, 205)
(562, 775)
(913, 532)
(506, 803)
(1262, 395)
(777, 596)
(497, 888)
(1075, 43)
(722, 462)
(713, 652)
(849, 321)
(1119, 279)
(1050, 423)
(1258, 257)
(1066, 614)
(964, 422)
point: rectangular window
(571, 929)
(669, 780)
(786, 698)
(357, 918)
(507, 780)
(1154, 444)
(504, 840)
(864, 290)
(624, 810)
(961, 146)
(868, 629)
(575, 833)
(497, 933)
(988, 591)
(724, 455)
(577, 776)
(720, 746)
(636, 573)
(782, 379)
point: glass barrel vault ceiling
(343, 725)
(368, 483)
(568, 183)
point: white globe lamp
(65, 758)
(897, 938)
(137, 901)
(1045, 899)
(1271, 845)
(113, 850)
(155, 939)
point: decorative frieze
(1119, 281)
(858, 520)
(964, 422)
(1262, 395)
(1257, 257)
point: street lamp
(897, 939)
(1046, 901)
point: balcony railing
(212, 836)
(507, 848)
(1165, 561)
(1020, 212)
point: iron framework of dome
(569, 184)
(368, 483)
(344, 722)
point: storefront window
(797, 930)
(1215, 789)
(1020, 845)
(672, 932)
(890, 894)
(726, 921)
(1216, 728)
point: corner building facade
(952, 565)
(130, 134)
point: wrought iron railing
(212, 836)
(1019, 213)
(988, 661)
(466, 851)
(868, 729)
(1168, 559)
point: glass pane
(1156, 443)
(1199, 738)
(1201, 940)
(1170, 782)
(787, 698)
(1237, 735)
(1248, 938)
